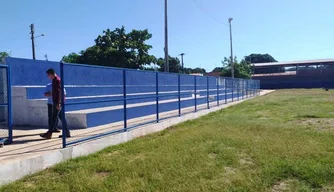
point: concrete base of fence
(11, 171)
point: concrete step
(99, 111)
(97, 116)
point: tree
(117, 49)
(264, 58)
(241, 70)
(218, 69)
(196, 70)
(260, 58)
(3, 55)
(71, 58)
(174, 64)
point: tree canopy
(117, 48)
(3, 54)
(260, 58)
(242, 69)
(196, 70)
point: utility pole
(182, 54)
(32, 32)
(166, 38)
(232, 63)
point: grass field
(280, 142)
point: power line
(209, 14)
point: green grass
(280, 142)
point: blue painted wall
(86, 80)
(29, 72)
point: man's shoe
(46, 135)
(68, 135)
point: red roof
(214, 74)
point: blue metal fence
(6, 130)
(123, 99)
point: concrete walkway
(29, 153)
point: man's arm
(56, 93)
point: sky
(286, 29)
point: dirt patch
(137, 157)
(114, 153)
(321, 124)
(246, 162)
(212, 155)
(102, 174)
(281, 186)
(229, 170)
(29, 184)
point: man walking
(48, 94)
(56, 106)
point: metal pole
(182, 54)
(166, 38)
(124, 100)
(9, 107)
(32, 32)
(225, 91)
(207, 91)
(238, 89)
(217, 80)
(195, 88)
(243, 89)
(232, 63)
(63, 102)
(179, 92)
(157, 94)
(232, 90)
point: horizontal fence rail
(138, 97)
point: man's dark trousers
(53, 114)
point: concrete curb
(15, 170)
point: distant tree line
(243, 68)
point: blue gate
(6, 130)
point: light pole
(166, 38)
(232, 63)
(182, 54)
(32, 32)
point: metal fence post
(247, 88)
(217, 80)
(157, 94)
(195, 88)
(243, 89)
(252, 88)
(232, 90)
(9, 107)
(179, 92)
(124, 100)
(225, 83)
(63, 101)
(238, 89)
(207, 91)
